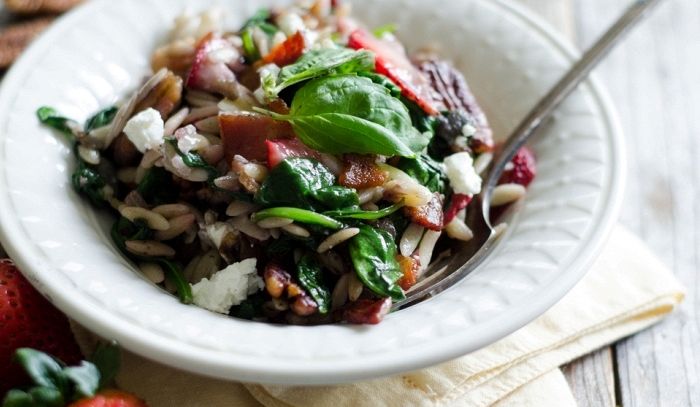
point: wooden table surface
(654, 80)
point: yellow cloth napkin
(627, 290)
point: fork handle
(566, 85)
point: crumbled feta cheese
(468, 130)
(460, 171)
(228, 287)
(145, 130)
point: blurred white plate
(98, 53)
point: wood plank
(653, 80)
(592, 379)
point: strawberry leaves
(54, 384)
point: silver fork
(446, 272)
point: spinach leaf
(373, 253)
(317, 63)
(364, 215)
(157, 187)
(101, 118)
(311, 278)
(426, 170)
(293, 182)
(123, 230)
(421, 121)
(298, 215)
(351, 114)
(192, 159)
(284, 247)
(260, 20)
(250, 308)
(49, 117)
(337, 197)
(89, 182)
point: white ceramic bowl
(96, 54)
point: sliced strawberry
(28, 320)
(458, 202)
(361, 171)
(410, 267)
(278, 150)
(367, 311)
(110, 398)
(524, 168)
(287, 52)
(245, 134)
(210, 70)
(429, 216)
(392, 62)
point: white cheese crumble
(145, 130)
(460, 171)
(228, 287)
(290, 23)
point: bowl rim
(213, 363)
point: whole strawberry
(28, 320)
(521, 170)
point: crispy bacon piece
(429, 216)
(410, 267)
(287, 52)
(454, 92)
(367, 311)
(361, 171)
(245, 134)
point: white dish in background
(96, 54)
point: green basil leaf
(379, 79)
(427, 171)
(260, 17)
(101, 118)
(107, 358)
(43, 369)
(49, 117)
(311, 278)
(337, 197)
(365, 215)
(317, 63)
(293, 183)
(352, 114)
(373, 253)
(298, 215)
(89, 182)
(18, 398)
(85, 378)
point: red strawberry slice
(392, 62)
(287, 52)
(278, 150)
(110, 398)
(458, 202)
(524, 168)
(367, 311)
(429, 216)
(28, 320)
(210, 70)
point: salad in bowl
(300, 169)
